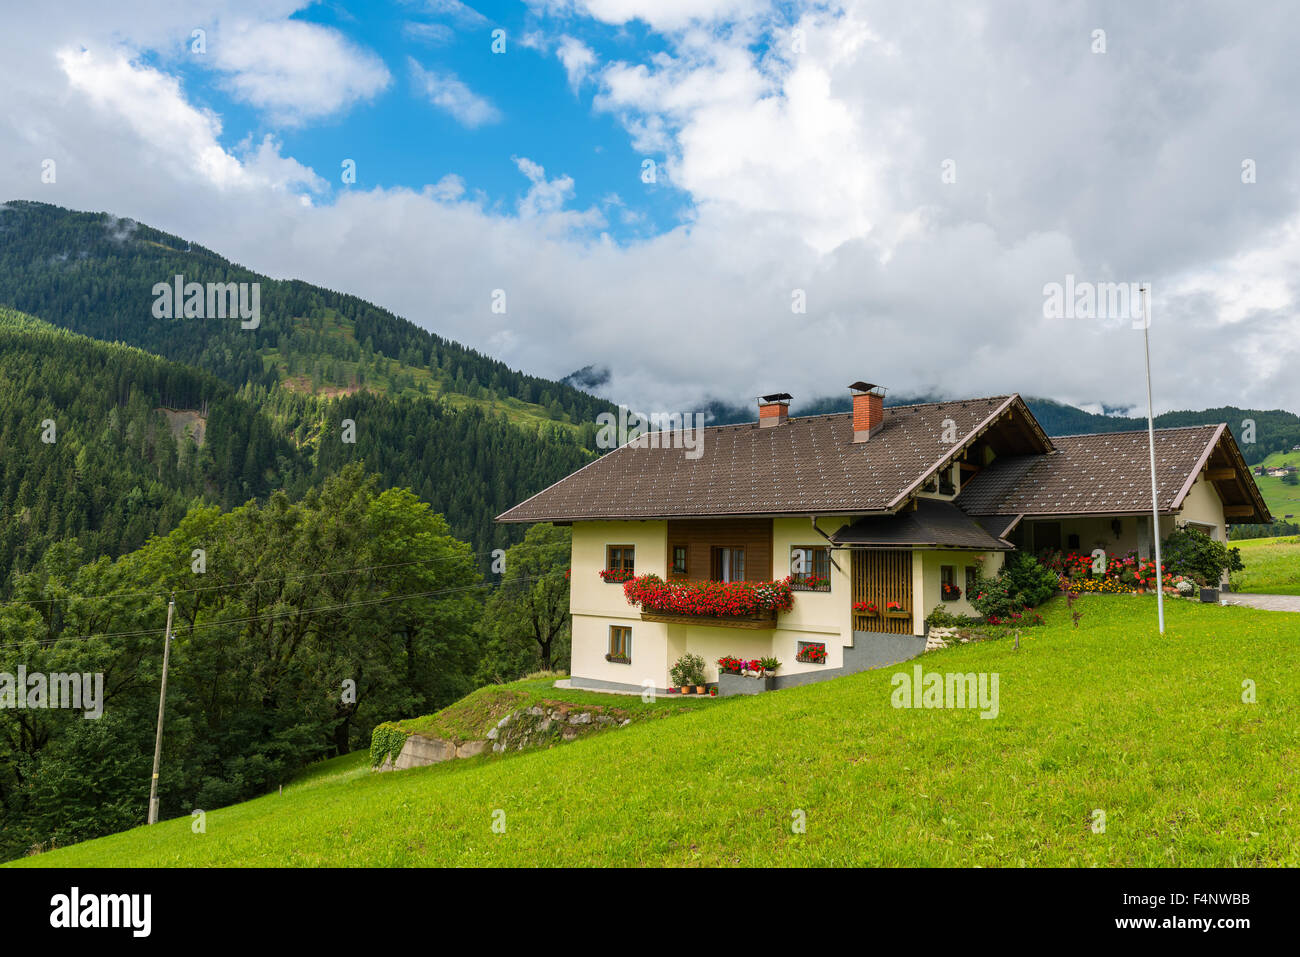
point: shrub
(1034, 583)
(1022, 583)
(1189, 551)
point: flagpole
(1151, 442)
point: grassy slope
(1282, 499)
(1272, 565)
(471, 718)
(384, 380)
(1151, 730)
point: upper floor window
(679, 560)
(810, 567)
(728, 564)
(620, 558)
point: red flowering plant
(865, 607)
(615, 575)
(950, 592)
(711, 599)
(810, 583)
(893, 606)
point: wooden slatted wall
(880, 577)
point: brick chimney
(868, 410)
(773, 409)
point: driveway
(1267, 602)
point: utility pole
(1151, 441)
(162, 702)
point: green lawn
(1272, 566)
(1152, 731)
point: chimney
(773, 409)
(868, 410)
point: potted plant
(688, 672)
(894, 609)
(950, 592)
(867, 608)
(768, 666)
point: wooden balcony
(758, 623)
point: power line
(158, 593)
(274, 617)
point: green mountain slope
(138, 439)
(95, 274)
(106, 444)
(1185, 774)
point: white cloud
(447, 92)
(434, 34)
(659, 14)
(295, 71)
(578, 59)
(456, 10)
(177, 137)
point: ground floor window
(812, 651)
(620, 644)
(972, 575)
(948, 589)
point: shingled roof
(932, 523)
(809, 465)
(1092, 474)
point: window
(948, 590)
(972, 573)
(728, 564)
(810, 567)
(620, 644)
(946, 486)
(1072, 542)
(620, 558)
(679, 559)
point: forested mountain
(88, 453)
(95, 274)
(137, 439)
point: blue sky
(398, 138)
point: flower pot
(686, 689)
(700, 689)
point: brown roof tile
(932, 523)
(1088, 474)
(808, 465)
